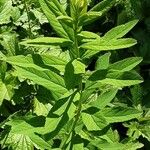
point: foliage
(50, 96)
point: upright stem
(79, 106)
(76, 39)
(28, 15)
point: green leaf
(7, 87)
(19, 141)
(103, 6)
(120, 31)
(115, 79)
(93, 122)
(104, 99)
(125, 64)
(103, 62)
(137, 93)
(52, 10)
(69, 19)
(102, 45)
(111, 136)
(39, 15)
(119, 114)
(37, 61)
(89, 17)
(5, 11)
(117, 146)
(4, 92)
(88, 35)
(40, 108)
(78, 146)
(47, 41)
(21, 127)
(46, 78)
(10, 43)
(96, 12)
(71, 75)
(119, 83)
(79, 67)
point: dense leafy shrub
(65, 84)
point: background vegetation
(25, 103)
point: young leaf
(104, 99)
(103, 62)
(77, 8)
(103, 6)
(88, 35)
(120, 31)
(47, 41)
(93, 122)
(52, 10)
(125, 64)
(101, 45)
(96, 12)
(89, 17)
(79, 67)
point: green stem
(28, 15)
(77, 116)
(76, 40)
(79, 106)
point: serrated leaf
(47, 41)
(10, 43)
(19, 142)
(40, 16)
(4, 94)
(125, 64)
(120, 31)
(19, 126)
(40, 108)
(5, 11)
(7, 88)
